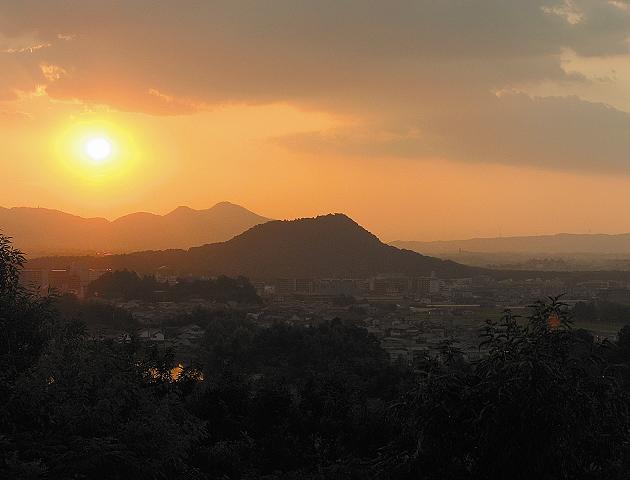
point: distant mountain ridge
(40, 231)
(562, 243)
(329, 246)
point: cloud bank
(422, 78)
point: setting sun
(98, 149)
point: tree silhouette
(77, 408)
(544, 403)
(287, 401)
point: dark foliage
(129, 285)
(545, 403)
(601, 311)
(76, 408)
(294, 399)
(95, 314)
(292, 402)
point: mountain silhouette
(562, 243)
(40, 231)
(326, 246)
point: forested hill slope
(326, 246)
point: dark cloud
(288, 49)
(552, 132)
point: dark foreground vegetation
(601, 312)
(127, 285)
(318, 403)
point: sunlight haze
(462, 133)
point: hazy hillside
(326, 246)
(562, 243)
(39, 231)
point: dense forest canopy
(129, 285)
(293, 402)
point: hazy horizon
(385, 239)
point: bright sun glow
(98, 152)
(99, 149)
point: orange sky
(421, 120)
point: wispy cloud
(27, 49)
(567, 10)
(51, 72)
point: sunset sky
(421, 119)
